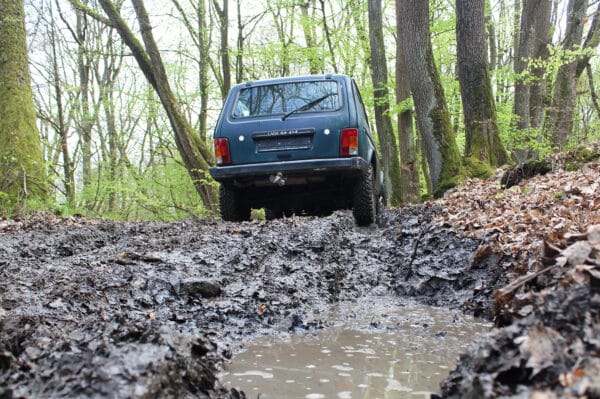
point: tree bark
(86, 124)
(383, 121)
(223, 13)
(61, 130)
(22, 170)
(542, 40)
(409, 166)
(483, 145)
(491, 36)
(315, 62)
(433, 118)
(328, 37)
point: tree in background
(383, 120)
(433, 120)
(22, 171)
(559, 120)
(483, 148)
(530, 84)
(408, 153)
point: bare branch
(91, 12)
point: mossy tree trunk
(483, 147)
(22, 170)
(433, 119)
(383, 121)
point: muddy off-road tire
(232, 205)
(364, 204)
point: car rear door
(286, 121)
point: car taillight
(222, 152)
(349, 142)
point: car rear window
(284, 98)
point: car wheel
(364, 204)
(233, 207)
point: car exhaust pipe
(277, 179)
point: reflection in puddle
(407, 356)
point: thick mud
(92, 308)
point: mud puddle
(382, 350)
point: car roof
(288, 79)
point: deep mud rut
(93, 308)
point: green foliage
(530, 140)
(162, 192)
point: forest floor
(95, 308)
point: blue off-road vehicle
(297, 145)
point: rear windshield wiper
(307, 106)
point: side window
(360, 106)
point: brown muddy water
(371, 350)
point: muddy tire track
(96, 308)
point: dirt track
(95, 308)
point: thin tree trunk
(491, 36)
(383, 121)
(203, 65)
(593, 93)
(223, 14)
(328, 37)
(239, 55)
(314, 58)
(69, 179)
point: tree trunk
(483, 145)
(433, 118)
(86, 125)
(61, 129)
(281, 34)
(328, 37)
(491, 36)
(383, 121)
(559, 122)
(203, 65)
(315, 62)
(223, 13)
(410, 186)
(542, 41)
(239, 55)
(22, 171)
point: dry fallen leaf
(540, 348)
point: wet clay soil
(92, 308)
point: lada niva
(296, 145)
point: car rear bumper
(307, 167)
